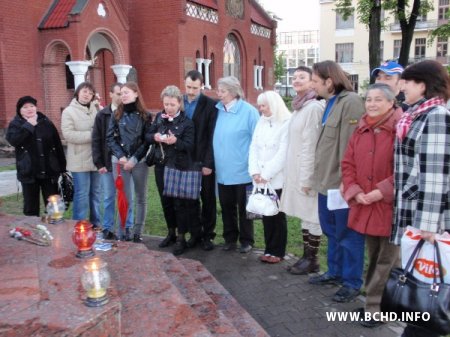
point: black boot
(311, 263)
(169, 239)
(180, 245)
(305, 234)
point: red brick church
(47, 47)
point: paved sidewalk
(285, 305)
(9, 183)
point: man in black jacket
(201, 109)
(101, 155)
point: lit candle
(97, 291)
(54, 201)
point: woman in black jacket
(40, 156)
(173, 135)
(125, 138)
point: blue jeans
(345, 256)
(109, 200)
(87, 196)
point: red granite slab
(241, 319)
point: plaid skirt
(182, 184)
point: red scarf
(413, 112)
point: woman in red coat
(367, 176)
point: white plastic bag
(426, 263)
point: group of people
(387, 155)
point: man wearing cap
(390, 73)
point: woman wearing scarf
(367, 176)
(172, 133)
(298, 198)
(421, 158)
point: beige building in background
(347, 41)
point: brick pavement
(285, 305)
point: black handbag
(405, 295)
(66, 187)
(150, 158)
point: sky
(295, 14)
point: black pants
(208, 217)
(275, 233)
(233, 199)
(182, 214)
(31, 191)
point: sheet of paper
(335, 200)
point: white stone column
(255, 77)
(207, 62)
(78, 69)
(121, 71)
(260, 83)
(199, 64)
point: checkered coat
(422, 175)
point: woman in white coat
(266, 161)
(299, 199)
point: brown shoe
(273, 259)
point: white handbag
(263, 201)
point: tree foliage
(369, 13)
(279, 66)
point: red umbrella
(122, 203)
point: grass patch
(11, 167)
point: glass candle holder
(83, 237)
(95, 281)
(55, 209)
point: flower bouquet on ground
(36, 234)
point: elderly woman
(298, 199)
(235, 124)
(422, 149)
(172, 132)
(370, 154)
(266, 162)
(40, 156)
(126, 139)
(77, 122)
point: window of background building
(397, 46)
(345, 24)
(420, 48)
(70, 79)
(381, 50)
(354, 79)
(444, 6)
(442, 48)
(344, 52)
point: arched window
(70, 79)
(205, 47)
(212, 70)
(231, 57)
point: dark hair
(433, 75)
(331, 70)
(84, 85)
(140, 104)
(305, 69)
(117, 84)
(194, 75)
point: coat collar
(387, 123)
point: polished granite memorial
(151, 293)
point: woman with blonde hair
(267, 156)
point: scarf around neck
(415, 111)
(300, 100)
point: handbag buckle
(402, 278)
(434, 287)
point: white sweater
(268, 150)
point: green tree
(279, 66)
(369, 13)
